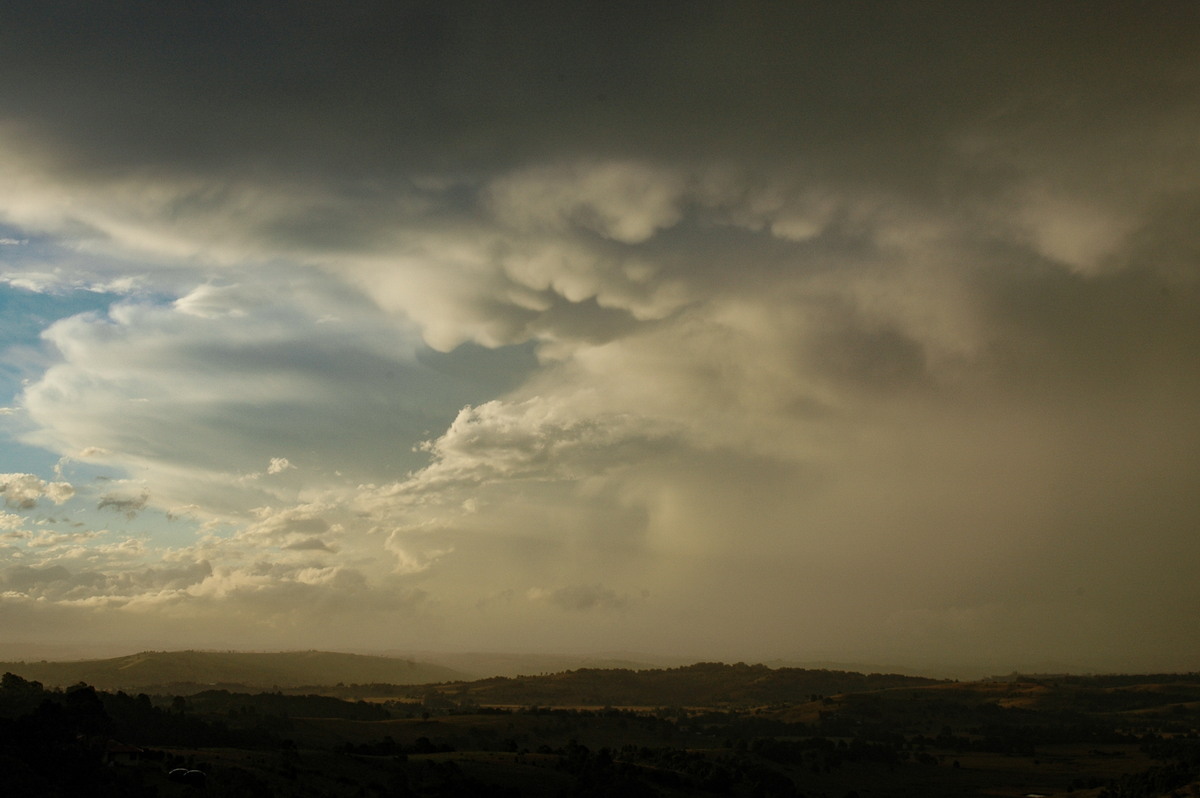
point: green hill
(259, 670)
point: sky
(861, 332)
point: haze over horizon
(863, 332)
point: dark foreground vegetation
(717, 730)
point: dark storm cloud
(377, 89)
(953, 106)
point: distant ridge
(702, 684)
(482, 665)
(150, 669)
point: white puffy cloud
(538, 438)
(278, 465)
(22, 491)
(290, 525)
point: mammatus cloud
(627, 202)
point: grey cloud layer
(407, 85)
(902, 298)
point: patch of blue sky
(20, 458)
(17, 458)
(28, 260)
(91, 510)
(54, 265)
(25, 314)
(154, 527)
(24, 356)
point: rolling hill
(151, 669)
(702, 684)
